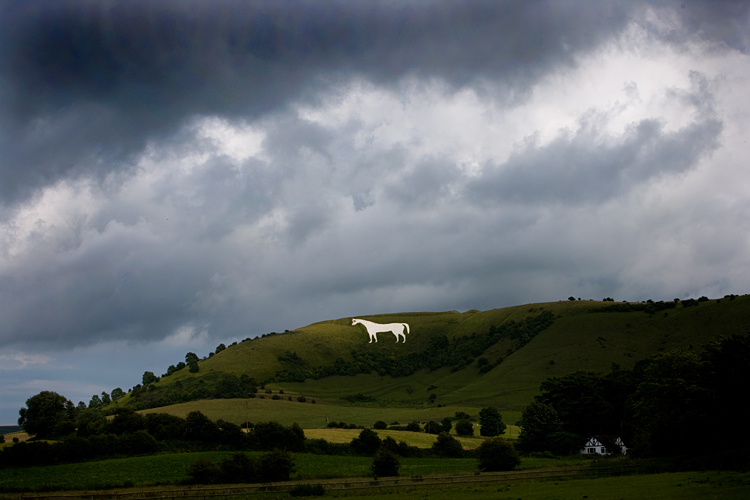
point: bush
(447, 446)
(204, 471)
(276, 466)
(239, 468)
(433, 427)
(367, 443)
(380, 425)
(385, 464)
(413, 426)
(497, 454)
(302, 399)
(464, 428)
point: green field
(672, 486)
(172, 468)
(312, 416)
(418, 439)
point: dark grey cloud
(85, 84)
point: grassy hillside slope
(578, 339)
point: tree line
(673, 403)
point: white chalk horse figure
(373, 329)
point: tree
(238, 468)
(95, 402)
(43, 412)
(447, 446)
(367, 443)
(105, 398)
(490, 422)
(380, 425)
(191, 359)
(117, 394)
(204, 471)
(464, 428)
(413, 426)
(538, 421)
(447, 424)
(276, 465)
(385, 463)
(497, 454)
(433, 427)
(149, 378)
(220, 348)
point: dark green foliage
(191, 359)
(117, 393)
(447, 446)
(385, 464)
(238, 468)
(270, 435)
(413, 426)
(204, 471)
(565, 443)
(308, 490)
(301, 399)
(490, 422)
(276, 465)
(588, 403)
(538, 421)
(220, 348)
(380, 425)
(126, 421)
(199, 427)
(96, 402)
(105, 398)
(63, 428)
(43, 412)
(149, 378)
(433, 427)
(464, 428)
(367, 443)
(164, 426)
(497, 454)
(447, 424)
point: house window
(592, 450)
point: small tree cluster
(240, 468)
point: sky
(179, 174)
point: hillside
(444, 352)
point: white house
(604, 445)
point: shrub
(380, 425)
(302, 399)
(447, 446)
(497, 454)
(433, 427)
(464, 428)
(385, 464)
(239, 468)
(204, 471)
(276, 466)
(413, 426)
(367, 443)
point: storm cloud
(176, 174)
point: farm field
(418, 439)
(312, 416)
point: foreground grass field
(169, 469)
(672, 486)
